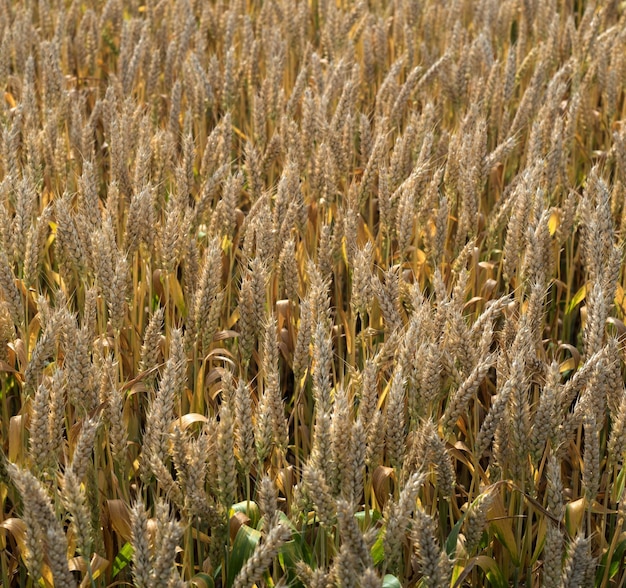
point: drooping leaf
(202, 581)
(381, 482)
(492, 571)
(486, 564)
(176, 293)
(250, 509)
(119, 515)
(502, 526)
(97, 565)
(17, 528)
(574, 513)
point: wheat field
(312, 293)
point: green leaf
(487, 565)
(294, 551)
(288, 556)
(390, 581)
(492, 571)
(577, 299)
(245, 543)
(457, 570)
(618, 487)
(615, 564)
(541, 540)
(375, 516)
(452, 539)
(122, 559)
(285, 520)
(453, 536)
(616, 560)
(378, 551)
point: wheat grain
(204, 204)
